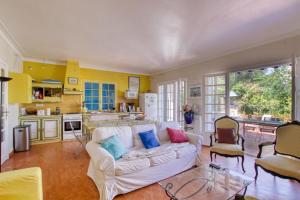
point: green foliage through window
(262, 91)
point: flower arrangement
(188, 113)
(187, 108)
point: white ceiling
(145, 36)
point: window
(171, 102)
(182, 99)
(171, 98)
(108, 96)
(91, 95)
(215, 100)
(160, 103)
(262, 94)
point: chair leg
(256, 171)
(215, 156)
(211, 153)
(238, 160)
(243, 164)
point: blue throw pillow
(149, 140)
(114, 146)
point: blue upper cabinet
(92, 96)
(108, 96)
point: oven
(76, 120)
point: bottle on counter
(57, 110)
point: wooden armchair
(224, 149)
(285, 162)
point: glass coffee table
(205, 182)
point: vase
(188, 117)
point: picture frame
(195, 91)
(73, 80)
(134, 83)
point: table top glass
(205, 183)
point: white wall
(271, 53)
(10, 60)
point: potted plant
(188, 114)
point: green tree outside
(261, 92)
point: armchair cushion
(282, 165)
(226, 135)
(227, 149)
(25, 184)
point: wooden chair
(227, 150)
(285, 162)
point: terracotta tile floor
(64, 176)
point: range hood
(72, 80)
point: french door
(215, 93)
(171, 98)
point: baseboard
(11, 154)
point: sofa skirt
(111, 186)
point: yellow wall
(40, 71)
(120, 79)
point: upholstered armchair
(285, 162)
(233, 149)
(22, 184)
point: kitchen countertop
(111, 113)
(35, 116)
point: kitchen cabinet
(19, 88)
(43, 129)
(51, 129)
(35, 127)
(43, 92)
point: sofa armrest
(22, 184)
(195, 139)
(102, 160)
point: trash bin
(21, 138)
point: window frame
(227, 106)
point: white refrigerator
(148, 105)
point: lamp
(2, 79)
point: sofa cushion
(123, 132)
(114, 146)
(185, 150)
(142, 128)
(161, 159)
(131, 166)
(162, 130)
(281, 165)
(148, 139)
(177, 135)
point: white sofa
(127, 174)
